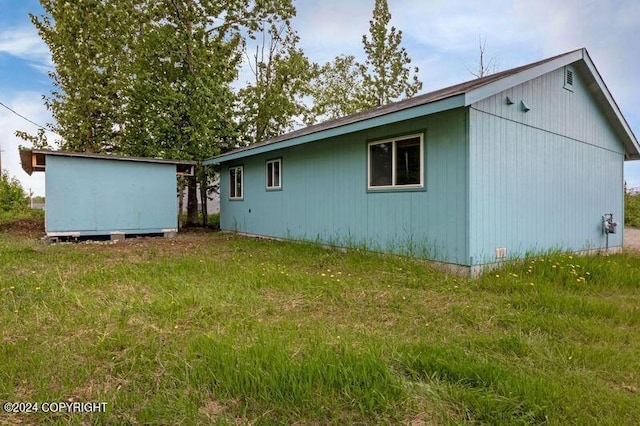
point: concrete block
(117, 236)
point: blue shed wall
(324, 195)
(542, 179)
(96, 197)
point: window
(235, 183)
(396, 163)
(274, 174)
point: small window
(396, 163)
(235, 183)
(569, 76)
(274, 174)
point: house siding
(542, 179)
(96, 197)
(324, 195)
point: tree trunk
(192, 203)
(203, 200)
(180, 202)
(192, 198)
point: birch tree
(274, 102)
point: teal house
(89, 194)
(522, 161)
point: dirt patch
(142, 249)
(632, 239)
(26, 227)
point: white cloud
(331, 28)
(25, 43)
(30, 105)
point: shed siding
(544, 178)
(96, 197)
(324, 194)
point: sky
(440, 36)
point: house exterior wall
(87, 196)
(542, 179)
(324, 195)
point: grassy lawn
(632, 210)
(216, 328)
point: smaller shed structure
(92, 194)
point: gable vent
(568, 78)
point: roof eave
(449, 103)
(34, 160)
(613, 112)
(465, 99)
(488, 90)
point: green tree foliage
(632, 210)
(88, 40)
(149, 77)
(338, 89)
(345, 86)
(12, 196)
(387, 75)
(38, 141)
(275, 100)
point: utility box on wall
(90, 194)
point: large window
(274, 174)
(235, 183)
(396, 163)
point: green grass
(216, 328)
(632, 210)
(11, 216)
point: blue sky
(441, 36)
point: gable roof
(34, 160)
(459, 95)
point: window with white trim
(396, 163)
(235, 182)
(274, 174)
